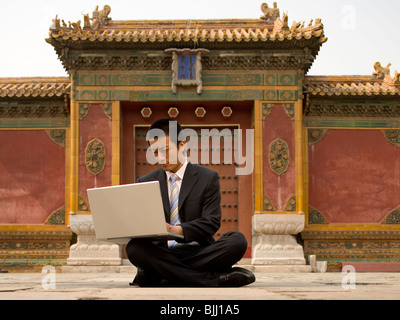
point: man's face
(169, 156)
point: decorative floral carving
(291, 204)
(141, 63)
(315, 135)
(279, 158)
(58, 136)
(268, 206)
(57, 217)
(95, 155)
(32, 110)
(278, 224)
(107, 108)
(289, 109)
(316, 217)
(267, 108)
(82, 204)
(83, 110)
(347, 110)
(393, 136)
(393, 217)
(85, 107)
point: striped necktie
(174, 203)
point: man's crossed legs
(190, 266)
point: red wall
(32, 177)
(279, 188)
(95, 125)
(354, 176)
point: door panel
(236, 191)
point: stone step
(126, 267)
(278, 268)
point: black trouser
(195, 266)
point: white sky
(360, 32)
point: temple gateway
(326, 149)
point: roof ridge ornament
(270, 14)
(99, 18)
(281, 25)
(382, 73)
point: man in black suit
(191, 199)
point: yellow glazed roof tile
(349, 86)
(34, 87)
(201, 34)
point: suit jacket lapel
(162, 178)
(189, 180)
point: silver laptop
(126, 212)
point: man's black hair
(165, 125)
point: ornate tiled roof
(200, 31)
(102, 30)
(34, 87)
(330, 86)
(269, 41)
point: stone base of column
(277, 250)
(88, 251)
(274, 243)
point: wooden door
(236, 191)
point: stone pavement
(114, 286)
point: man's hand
(175, 229)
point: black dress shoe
(134, 282)
(236, 277)
(145, 279)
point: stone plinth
(274, 240)
(88, 251)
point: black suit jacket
(199, 202)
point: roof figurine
(100, 18)
(381, 72)
(384, 73)
(270, 14)
(281, 25)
